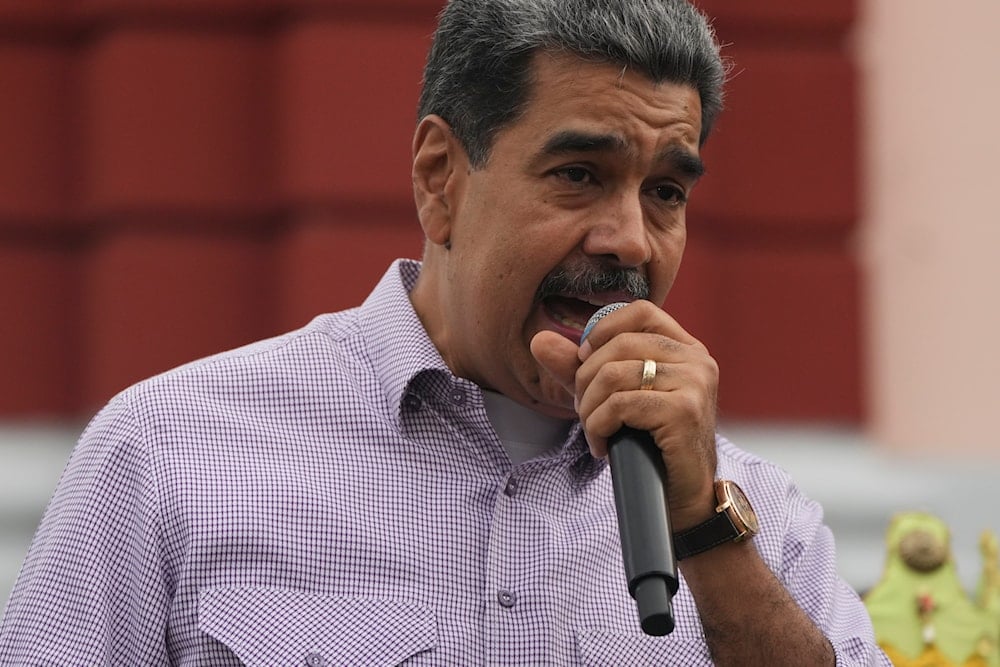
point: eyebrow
(683, 161)
(574, 141)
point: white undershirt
(525, 434)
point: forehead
(566, 90)
(569, 95)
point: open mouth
(572, 292)
(569, 314)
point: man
(406, 481)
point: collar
(397, 344)
(403, 356)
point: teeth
(571, 323)
(598, 303)
(590, 300)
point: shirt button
(510, 489)
(315, 660)
(506, 599)
(457, 396)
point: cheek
(512, 263)
(663, 271)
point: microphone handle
(639, 481)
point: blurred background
(179, 177)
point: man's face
(593, 177)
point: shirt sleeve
(93, 588)
(809, 571)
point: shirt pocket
(275, 626)
(599, 648)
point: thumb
(557, 355)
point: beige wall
(931, 245)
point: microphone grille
(600, 315)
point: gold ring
(648, 374)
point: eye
(575, 174)
(670, 194)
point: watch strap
(707, 535)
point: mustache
(583, 279)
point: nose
(620, 233)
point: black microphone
(639, 480)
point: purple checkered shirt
(335, 496)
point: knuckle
(712, 367)
(614, 374)
(689, 403)
(618, 402)
(669, 345)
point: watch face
(741, 508)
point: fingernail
(585, 350)
(590, 445)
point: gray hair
(478, 69)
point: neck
(430, 302)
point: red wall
(180, 177)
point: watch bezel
(737, 507)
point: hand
(678, 411)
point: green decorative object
(921, 614)
(988, 592)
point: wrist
(695, 512)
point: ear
(438, 162)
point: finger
(636, 347)
(678, 416)
(619, 365)
(627, 375)
(638, 316)
(607, 419)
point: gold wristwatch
(734, 521)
